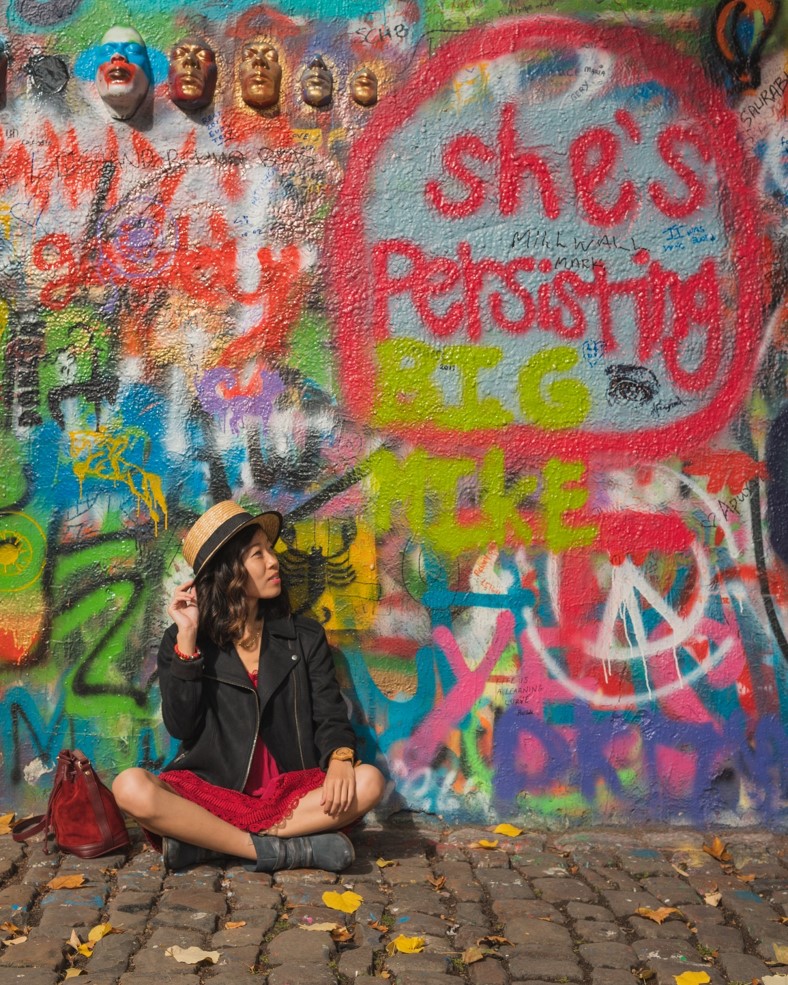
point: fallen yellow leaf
(713, 899)
(692, 978)
(341, 935)
(781, 953)
(234, 924)
(9, 927)
(191, 955)
(407, 945)
(347, 902)
(472, 954)
(509, 830)
(99, 931)
(660, 915)
(383, 862)
(14, 940)
(5, 823)
(718, 849)
(66, 882)
(378, 926)
(320, 926)
(86, 949)
(484, 843)
(74, 972)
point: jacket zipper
(295, 716)
(257, 716)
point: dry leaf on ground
(438, 883)
(746, 877)
(347, 902)
(718, 849)
(781, 953)
(101, 930)
(74, 940)
(75, 972)
(341, 935)
(8, 927)
(383, 862)
(14, 940)
(508, 829)
(407, 945)
(713, 899)
(191, 955)
(692, 978)
(378, 926)
(484, 843)
(66, 882)
(493, 940)
(472, 954)
(660, 915)
(325, 925)
(774, 979)
(6, 821)
(234, 924)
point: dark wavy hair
(221, 595)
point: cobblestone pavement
(537, 908)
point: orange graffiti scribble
(733, 469)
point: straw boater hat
(221, 522)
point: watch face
(344, 753)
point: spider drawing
(308, 574)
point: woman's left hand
(339, 788)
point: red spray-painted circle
(349, 254)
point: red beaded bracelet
(187, 656)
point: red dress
(268, 798)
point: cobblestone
(545, 909)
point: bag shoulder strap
(29, 826)
(92, 785)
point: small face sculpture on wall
(317, 83)
(260, 74)
(364, 87)
(192, 75)
(124, 74)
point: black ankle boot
(332, 851)
(180, 854)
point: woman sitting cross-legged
(266, 771)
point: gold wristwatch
(344, 754)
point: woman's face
(262, 567)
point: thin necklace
(250, 642)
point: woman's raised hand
(184, 612)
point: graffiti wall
(488, 300)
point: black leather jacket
(211, 705)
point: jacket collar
(281, 627)
(276, 663)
